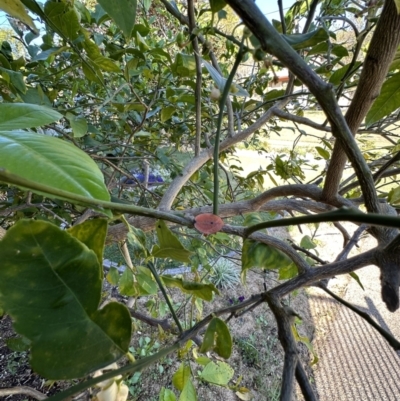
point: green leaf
(217, 373)
(127, 285)
(301, 41)
(357, 278)
(166, 395)
(181, 376)
(166, 113)
(15, 78)
(323, 152)
(113, 276)
(217, 5)
(16, 9)
(18, 344)
(146, 283)
(170, 246)
(106, 64)
(22, 115)
(305, 340)
(123, 12)
(257, 254)
(307, 243)
(78, 124)
(397, 2)
(137, 239)
(338, 75)
(217, 338)
(387, 101)
(287, 272)
(184, 65)
(220, 81)
(51, 287)
(203, 291)
(53, 162)
(64, 19)
(93, 234)
(394, 196)
(188, 392)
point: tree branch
(272, 42)
(385, 334)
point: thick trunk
(382, 49)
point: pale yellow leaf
(15, 9)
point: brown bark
(382, 49)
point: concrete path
(356, 363)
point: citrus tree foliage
(119, 120)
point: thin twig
(31, 392)
(166, 297)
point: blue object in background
(153, 179)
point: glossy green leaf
(387, 101)
(181, 376)
(301, 41)
(123, 12)
(53, 162)
(50, 284)
(188, 392)
(217, 373)
(21, 115)
(166, 395)
(16, 9)
(93, 234)
(217, 5)
(203, 291)
(78, 124)
(169, 245)
(217, 338)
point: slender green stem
(162, 289)
(385, 334)
(224, 96)
(17, 180)
(343, 214)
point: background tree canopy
(119, 123)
